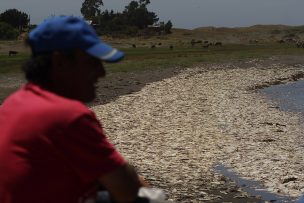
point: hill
(257, 34)
(241, 35)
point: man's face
(76, 78)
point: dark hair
(37, 69)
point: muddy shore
(175, 125)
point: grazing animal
(255, 41)
(192, 42)
(218, 44)
(171, 47)
(160, 44)
(134, 45)
(300, 44)
(11, 53)
(153, 46)
(290, 40)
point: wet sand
(175, 129)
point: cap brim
(105, 52)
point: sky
(187, 14)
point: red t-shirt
(51, 148)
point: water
(254, 188)
(289, 97)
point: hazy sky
(182, 13)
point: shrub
(7, 31)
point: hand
(143, 182)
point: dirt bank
(177, 128)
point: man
(52, 148)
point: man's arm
(100, 159)
(123, 184)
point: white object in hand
(152, 193)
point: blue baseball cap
(68, 32)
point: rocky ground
(175, 125)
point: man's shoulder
(36, 102)
(67, 107)
(58, 106)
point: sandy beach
(177, 129)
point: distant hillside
(257, 34)
(260, 33)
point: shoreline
(175, 130)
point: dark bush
(15, 18)
(7, 31)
